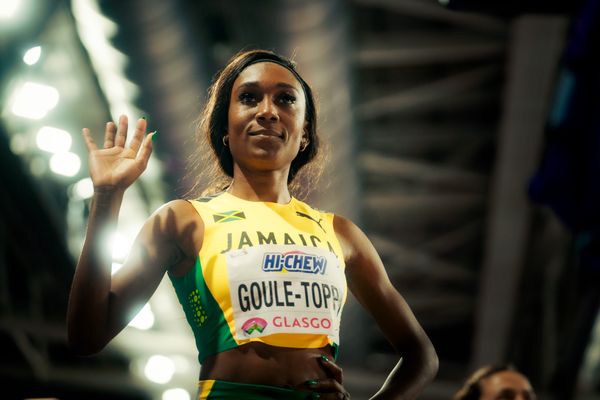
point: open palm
(115, 166)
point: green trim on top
(200, 307)
(234, 390)
(336, 350)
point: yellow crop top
(266, 272)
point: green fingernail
(154, 136)
(315, 396)
(311, 382)
(324, 358)
(143, 117)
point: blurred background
(463, 138)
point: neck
(268, 186)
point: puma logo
(301, 214)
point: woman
(500, 382)
(260, 275)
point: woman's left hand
(331, 387)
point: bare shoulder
(178, 223)
(365, 272)
(175, 216)
(352, 239)
(342, 225)
(177, 208)
(181, 216)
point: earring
(225, 141)
(304, 144)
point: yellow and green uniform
(266, 272)
(223, 390)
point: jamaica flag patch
(228, 216)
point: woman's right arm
(101, 305)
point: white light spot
(53, 140)
(34, 100)
(182, 364)
(8, 8)
(84, 189)
(159, 369)
(119, 246)
(144, 320)
(66, 164)
(115, 267)
(32, 55)
(176, 394)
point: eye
(506, 395)
(287, 98)
(247, 98)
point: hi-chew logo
(294, 261)
(255, 324)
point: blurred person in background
(261, 276)
(496, 383)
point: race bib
(285, 289)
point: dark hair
(471, 389)
(212, 122)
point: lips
(266, 132)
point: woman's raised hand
(115, 166)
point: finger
(146, 149)
(121, 132)
(327, 385)
(138, 135)
(89, 142)
(109, 135)
(332, 368)
(327, 388)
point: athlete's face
(506, 385)
(266, 119)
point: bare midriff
(261, 364)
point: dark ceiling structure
(436, 116)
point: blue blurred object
(568, 179)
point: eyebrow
(513, 392)
(257, 84)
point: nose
(267, 111)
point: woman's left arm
(369, 282)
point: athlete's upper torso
(266, 272)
